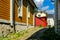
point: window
(28, 10)
(20, 8)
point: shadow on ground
(45, 34)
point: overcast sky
(45, 5)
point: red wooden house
(41, 19)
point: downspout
(12, 15)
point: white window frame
(28, 10)
(20, 14)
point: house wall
(5, 9)
(24, 18)
(30, 20)
(17, 19)
(24, 12)
(50, 21)
(5, 14)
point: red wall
(41, 21)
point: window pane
(20, 8)
(19, 3)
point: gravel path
(30, 33)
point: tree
(35, 10)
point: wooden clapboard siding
(24, 12)
(30, 20)
(5, 9)
(24, 18)
(17, 19)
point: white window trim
(21, 14)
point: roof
(32, 2)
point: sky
(45, 5)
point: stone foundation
(22, 27)
(7, 29)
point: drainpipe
(12, 15)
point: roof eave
(32, 2)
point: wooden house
(17, 12)
(41, 19)
(50, 20)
